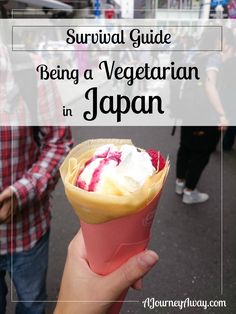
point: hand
(80, 284)
(7, 205)
(223, 125)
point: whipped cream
(116, 170)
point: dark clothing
(229, 138)
(200, 137)
(196, 146)
(190, 165)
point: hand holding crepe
(79, 283)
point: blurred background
(160, 9)
(187, 239)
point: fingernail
(148, 259)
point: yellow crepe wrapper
(95, 207)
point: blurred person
(227, 92)
(29, 162)
(184, 53)
(83, 291)
(198, 142)
(3, 10)
(196, 146)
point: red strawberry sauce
(105, 157)
(158, 163)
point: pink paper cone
(111, 244)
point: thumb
(134, 269)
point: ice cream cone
(108, 247)
(111, 244)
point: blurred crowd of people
(213, 95)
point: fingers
(6, 205)
(7, 193)
(131, 272)
(5, 211)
